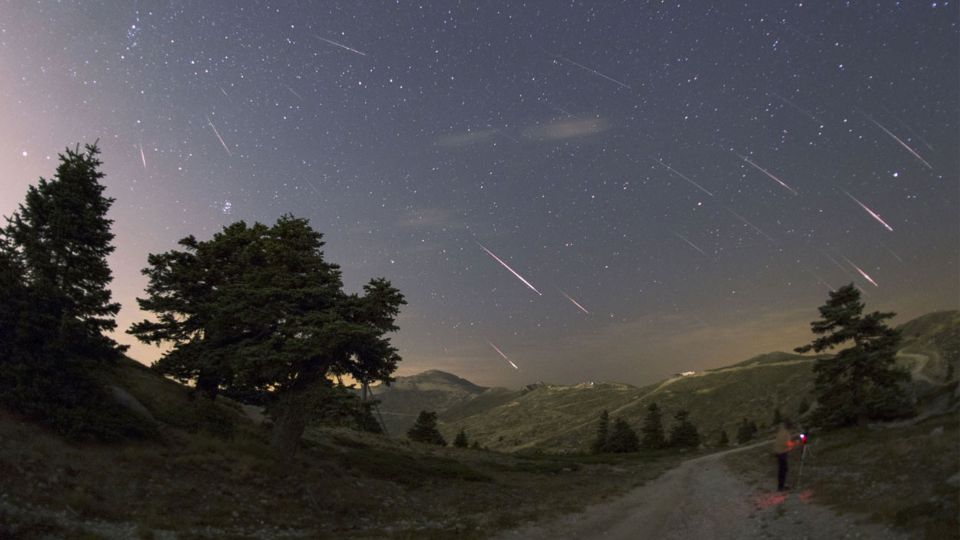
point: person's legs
(782, 470)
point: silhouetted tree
(777, 417)
(461, 439)
(599, 444)
(425, 430)
(744, 432)
(652, 431)
(723, 441)
(683, 434)
(258, 310)
(622, 438)
(862, 382)
(55, 304)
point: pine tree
(652, 431)
(777, 417)
(599, 444)
(258, 311)
(461, 439)
(425, 430)
(744, 432)
(724, 441)
(61, 235)
(803, 407)
(862, 382)
(623, 438)
(683, 434)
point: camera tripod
(803, 455)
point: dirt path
(702, 498)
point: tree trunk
(289, 427)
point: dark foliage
(56, 305)
(599, 443)
(425, 430)
(461, 439)
(652, 431)
(723, 441)
(258, 311)
(746, 431)
(683, 434)
(862, 382)
(622, 438)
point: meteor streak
(676, 172)
(873, 214)
(899, 140)
(583, 309)
(341, 45)
(751, 225)
(512, 271)
(595, 72)
(797, 107)
(691, 244)
(768, 173)
(862, 273)
(294, 92)
(503, 355)
(217, 133)
(143, 158)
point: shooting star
(691, 244)
(751, 225)
(143, 158)
(862, 273)
(512, 271)
(341, 45)
(766, 172)
(217, 133)
(583, 309)
(803, 111)
(899, 140)
(224, 92)
(595, 72)
(294, 92)
(678, 173)
(503, 355)
(873, 214)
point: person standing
(782, 445)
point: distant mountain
(433, 390)
(562, 418)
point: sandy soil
(704, 499)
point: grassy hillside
(210, 474)
(433, 390)
(562, 419)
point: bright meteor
(583, 309)
(341, 45)
(903, 144)
(503, 355)
(768, 173)
(873, 214)
(676, 172)
(862, 273)
(512, 271)
(217, 133)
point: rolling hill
(433, 390)
(561, 418)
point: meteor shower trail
(512, 271)
(595, 72)
(862, 273)
(503, 355)
(676, 172)
(899, 140)
(217, 133)
(691, 244)
(583, 309)
(143, 158)
(768, 173)
(341, 45)
(873, 214)
(751, 225)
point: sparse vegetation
(652, 430)
(623, 438)
(425, 430)
(683, 434)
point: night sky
(673, 186)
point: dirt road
(703, 499)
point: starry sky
(587, 190)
